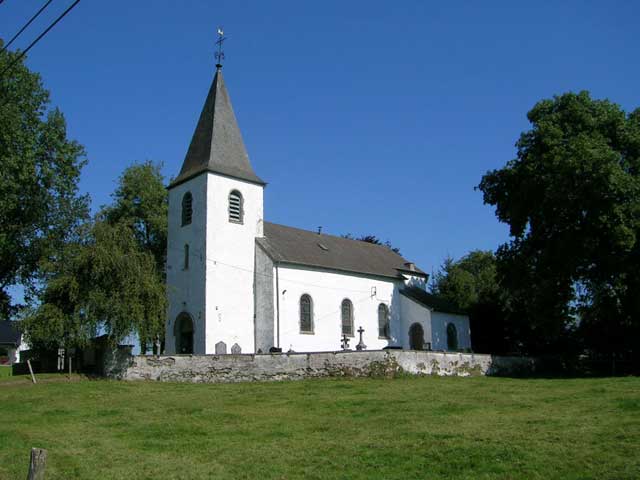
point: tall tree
(572, 201)
(112, 279)
(141, 202)
(40, 207)
(107, 284)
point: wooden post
(69, 367)
(37, 464)
(33, 377)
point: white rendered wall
(439, 330)
(186, 288)
(414, 312)
(230, 255)
(327, 290)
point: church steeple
(216, 145)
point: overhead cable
(8, 44)
(19, 57)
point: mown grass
(5, 371)
(436, 428)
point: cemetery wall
(296, 366)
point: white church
(239, 284)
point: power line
(25, 25)
(17, 59)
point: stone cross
(361, 345)
(345, 342)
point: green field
(5, 371)
(435, 428)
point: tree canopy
(112, 278)
(141, 202)
(467, 281)
(571, 198)
(40, 206)
(107, 284)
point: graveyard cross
(345, 342)
(361, 345)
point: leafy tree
(141, 202)
(112, 279)
(375, 240)
(471, 284)
(40, 208)
(467, 281)
(107, 284)
(572, 201)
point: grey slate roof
(9, 333)
(430, 300)
(302, 247)
(217, 144)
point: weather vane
(219, 42)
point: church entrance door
(184, 334)
(416, 337)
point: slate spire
(216, 145)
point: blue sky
(365, 117)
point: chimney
(410, 266)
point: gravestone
(221, 348)
(235, 349)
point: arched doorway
(416, 337)
(183, 331)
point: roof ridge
(339, 237)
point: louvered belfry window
(306, 314)
(235, 207)
(347, 317)
(187, 208)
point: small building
(239, 284)
(11, 343)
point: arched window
(186, 256)
(306, 314)
(183, 331)
(452, 337)
(416, 337)
(347, 317)
(383, 321)
(187, 208)
(236, 211)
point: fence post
(37, 464)
(33, 377)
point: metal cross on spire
(220, 54)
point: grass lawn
(435, 428)
(5, 371)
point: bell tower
(215, 215)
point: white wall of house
(230, 256)
(328, 289)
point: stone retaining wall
(296, 366)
